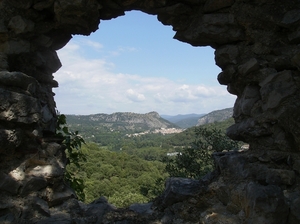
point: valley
(127, 153)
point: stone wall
(257, 48)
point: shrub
(196, 160)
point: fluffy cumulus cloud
(135, 96)
(89, 86)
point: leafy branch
(72, 141)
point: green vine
(72, 142)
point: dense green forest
(129, 170)
(122, 178)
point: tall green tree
(196, 160)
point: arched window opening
(131, 64)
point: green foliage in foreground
(72, 141)
(124, 179)
(196, 161)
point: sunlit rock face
(257, 48)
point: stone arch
(256, 48)
(256, 45)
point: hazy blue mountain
(187, 122)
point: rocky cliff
(257, 47)
(215, 116)
(125, 121)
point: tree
(124, 179)
(196, 160)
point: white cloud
(135, 96)
(91, 86)
(93, 44)
(121, 50)
(184, 87)
(203, 91)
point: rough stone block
(3, 61)
(34, 184)
(291, 17)
(9, 184)
(296, 60)
(9, 140)
(20, 25)
(41, 206)
(279, 176)
(250, 96)
(8, 218)
(214, 5)
(294, 37)
(293, 200)
(178, 189)
(25, 4)
(98, 208)
(41, 5)
(296, 166)
(226, 55)
(265, 204)
(58, 197)
(62, 218)
(15, 47)
(47, 171)
(176, 9)
(53, 148)
(142, 208)
(248, 67)
(17, 79)
(228, 74)
(275, 89)
(84, 12)
(18, 174)
(212, 29)
(16, 107)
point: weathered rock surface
(257, 48)
(123, 121)
(215, 116)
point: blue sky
(133, 64)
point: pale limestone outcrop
(257, 48)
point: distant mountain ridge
(133, 122)
(122, 121)
(216, 116)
